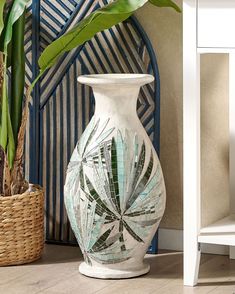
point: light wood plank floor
(57, 273)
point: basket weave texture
(21, 227)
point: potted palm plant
(21, 203)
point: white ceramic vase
(114, 191)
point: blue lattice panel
(62, 108)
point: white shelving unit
(209, 27)
(222, 232)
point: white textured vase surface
(114, 190)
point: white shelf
(207, 28)
(205, 50)
(221, 232)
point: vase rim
(112, 79)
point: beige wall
(164, 28)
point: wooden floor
(57, 273)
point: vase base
(107, 273)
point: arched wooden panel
(62, 108)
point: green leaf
(6, 14)
(2, 4)
(165, 3)
(16, 11)
(99, 20)
(17, 74)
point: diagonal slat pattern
(65, 107)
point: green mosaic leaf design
(112, 172)
(121, 238)
(123, 197)
(110, 258)
(95, 196)
(132, 233)
(139, 165)
(101, 244)
(138, 189)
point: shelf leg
(191, 145)
(232, 252)
(232, 139)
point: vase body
(114, 190)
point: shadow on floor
(59, 254)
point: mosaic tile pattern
(113, 193)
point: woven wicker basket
(21, 227)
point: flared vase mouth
(116, 79)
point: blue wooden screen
(61, 108)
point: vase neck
(116, 100)
(116, 94)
